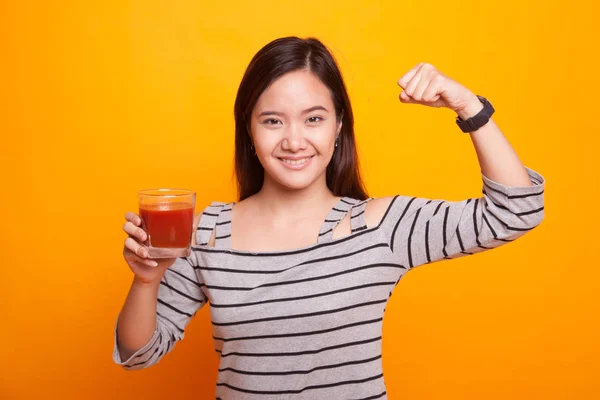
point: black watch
(478, 120)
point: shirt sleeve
(422, 231)
(179, 298)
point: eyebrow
(315, 108)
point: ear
(339, 129)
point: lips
(297, 162)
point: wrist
(143, 284)
(471, 108)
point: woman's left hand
(425, 85)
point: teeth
(295, 162)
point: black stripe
(475, 223)
(331, 220)
(344, 201)
(203, 228)
(412, 229)
(522, 196)
(489, 200)
(512, 228)
(388, 210)
(315, 278)
(321, 259)
(302, 297)
(530, 212)
(283, 253)
(223, 237)
(337, 209)
(301, 371)
(185, 277)
(300, 390)
(489, 226)
(377, 396)
(173, 308)
(210, 214)
(181, 293)
(438, 207)
(143, 362)
(514, 196)
(326, 232)
(460, 243)
(149, 348)
(398, 223)
(316, 260)
(360, 228)
(358, 215)
(444, 231)
(287, 335)
(172, 323)
(427, 242)
(304, 352)
(223, 223)
(304, 315)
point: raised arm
(423, 230)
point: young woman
(299, 271)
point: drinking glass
(168, 218)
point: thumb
(404, 98)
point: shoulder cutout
(376, 209)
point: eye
(271, 121)
(315, 119)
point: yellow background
(101, 99)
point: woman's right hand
(135, 252)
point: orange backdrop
(101, 99)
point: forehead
(294, 91)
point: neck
(285, 205)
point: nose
(293, 139)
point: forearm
(497, 159)
(137, 321)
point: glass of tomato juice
(168, 218)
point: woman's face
(293, 128)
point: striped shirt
(307, 323)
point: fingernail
(154, 264)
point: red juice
(168, 225)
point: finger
(414, 82)
(403, 82)
(431, 93)
(134, 218)
(133, 258)
(136, 248)
(404, 98)
(422, 86)
(134, 231)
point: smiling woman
(294, 87)
(299, 272)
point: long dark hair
(272, 61)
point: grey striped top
(307, 323)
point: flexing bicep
(422, 231)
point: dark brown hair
(271, 62)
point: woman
(299, 272)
